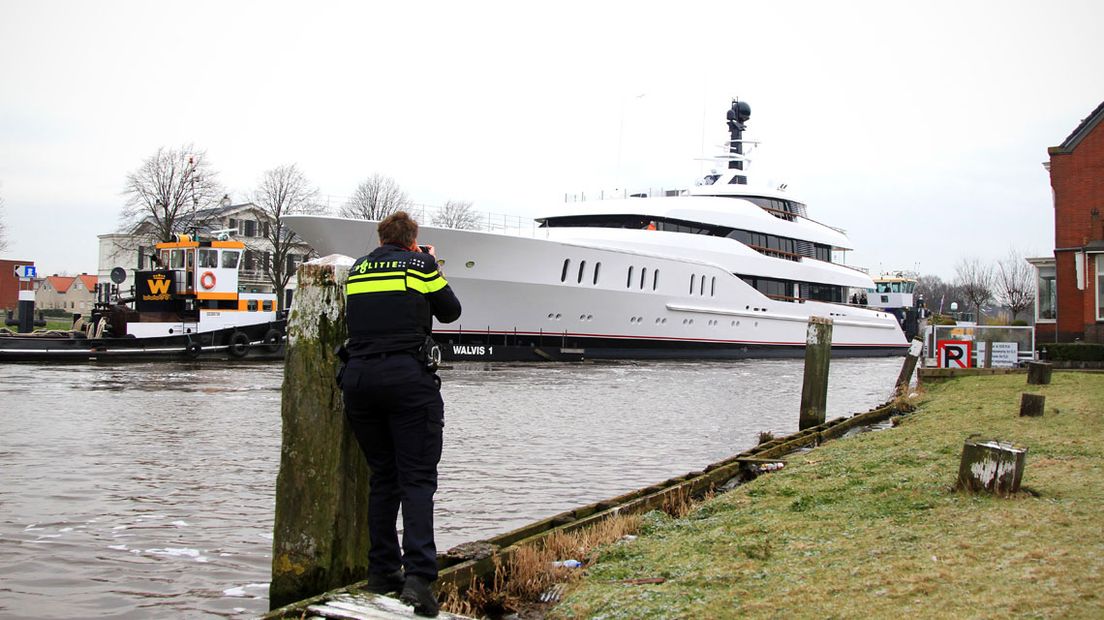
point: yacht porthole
(582, 317)
(558, 316)
(664, 321)
(550, 315)
(590, 317)
(757, 324)
(469, 264)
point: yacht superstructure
(717, 271)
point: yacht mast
(738, 114)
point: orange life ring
(207, 280)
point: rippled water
(147, 489)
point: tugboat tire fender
(274, 340)
(192, 349)
(239, 344)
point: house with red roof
(76, 294)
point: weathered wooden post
(320, 538)
(909, 366)
(1038, 373)
(814, 388)
(990, 466)
(1032, 405)
(988, 359)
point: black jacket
(391, 296)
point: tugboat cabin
(195, 289)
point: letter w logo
(158, 287)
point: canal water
(147, 490)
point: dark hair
(398, 229)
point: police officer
(393, 403)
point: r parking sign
(953, 353)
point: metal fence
(1023, 337)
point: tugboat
(188, 307)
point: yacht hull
(538, 297)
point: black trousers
(394, 406)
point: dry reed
(531, 570)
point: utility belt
(428, 353)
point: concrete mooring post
(905, 377)
(320, 538)
(1038, 373)
(991, 466)
(814, 388)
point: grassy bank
(869, 526)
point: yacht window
(713, 286)
(655, 279)
(643, 276)
(582, 266)
(267, 305)
(178, 259)
(251, 305)
(742, 236)
(165, 260)
(628, 281)
(563, 274)
(208, 258)
(692, 276)
(230, 259)
(701, 288)
(597, 267)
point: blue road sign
(25, 271)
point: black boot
(385, 583)
(416, 592)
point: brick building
(10, 285)
(1074, 292)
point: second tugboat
(188, 307)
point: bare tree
(976, 282)
(375, 198)
(168, 191)
(1015, 283)
(456, 214)
(937, 294)
(283, 190)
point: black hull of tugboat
(261, 341)
(510, 348)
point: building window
(1046, 296)
(1100, 287)
(250, 228)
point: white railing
(618, 194)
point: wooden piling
(320, 537)
(1032, 405)
(905, 377)
(991, 466)
(814, 387)
(1038, 373)
(988, 358)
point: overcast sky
(918, 127)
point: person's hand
(429, 249)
